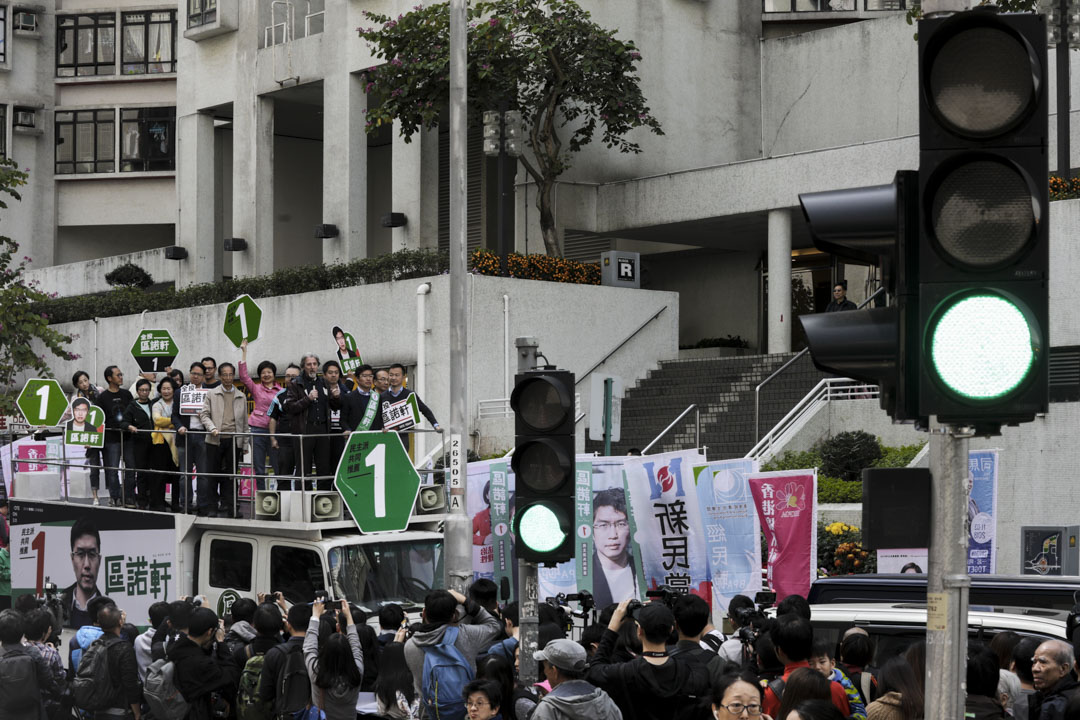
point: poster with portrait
(87, 424)
(89, 551)
(347, 352)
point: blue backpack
(446, 673)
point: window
(296, 573)
(201, 12)
(149, 42)
(85, 141)
(147, 139)
(3, 33)
(85, 45)
(230, 564)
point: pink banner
(786, 504)
(31, 452)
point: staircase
(723, 389)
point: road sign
(596, 407)
(377, 481)
(42, 402)
(154, 350)
(242, 320)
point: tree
(570, 79)
(22, 326)
(915, 13)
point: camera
(584, 597)
(49, 600)
(665, 593)
(633, 606)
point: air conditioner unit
(323, 506)
(431, 499)
(24, 118)
(25, 21)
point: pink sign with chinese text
(31, 452)
(786, 504)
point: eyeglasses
(476, 704)
(606, 526)
(86, 554)
(736, 708)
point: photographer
(741, 613)
(205, 674)
(691, 616)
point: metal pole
(1064, 160)
(608, 382)
(503, 244)
(528, 572)
(458, 532)
(947, 578)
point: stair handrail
(615, 349)
(785, 366)
(697, 428)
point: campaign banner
(786, 504)
(347, 352)
(33, 452)
(732, 532)
(87, 424)
(583, 524)
(982, 511)
(478, 506)
(400, 415)
(191, 399)
(666, 522)
(501, 504)
(89, 551)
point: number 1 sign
(377, 481)
(242, 320)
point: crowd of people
(297, 429)
(267, 660)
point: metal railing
(785, 366)
(826, 391)
(616, 349)
(500, 408)
(814, 6)
(673, 423)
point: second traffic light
(543, 464)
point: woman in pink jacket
(263, 391)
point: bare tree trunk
(547, 219)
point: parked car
(997, 590)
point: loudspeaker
(175, 252)
(324, 507)
(431, 499)
(267, 505)
(895, 508)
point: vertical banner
(502, 550)
(583, 525)
(667, 522)
(982, 511)
(786, 504)
(731, 530)
(478, 506)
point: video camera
(751, 619)
(666, 594)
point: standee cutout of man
(615, 577)
(86, 563)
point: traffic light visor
(541, 403)
(540, 528)
(982, 345)
(982, 80)
(541, 465)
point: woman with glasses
(483, 700)
(737, 695)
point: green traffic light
(981, 347)
(539, 529)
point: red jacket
(771, 704)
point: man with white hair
(1052, 667)
(308, 399)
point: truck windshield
(377, 573)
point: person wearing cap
(571, 697)
(652, 685)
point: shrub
(537, 267)
(845, 455)
(898, 457)
(129, 275)
(794, 460)
(840, 550)
(835, 490)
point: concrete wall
(297, 201)
(576, 326)
(88, 276)
(104, 244)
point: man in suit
(397, 393)
(615, 574)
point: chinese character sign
(88, 551)
(191, 399)
(982, 511)
(731, 530)
(786, 504)
(400, 415)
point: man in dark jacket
(24, 674)
(691, 616)
(571, 696)
(982, 680)
(296, 623)
(203, 665)
(839, 300)
(652, 686)
(309, 401)
(1052, 669)
(360, 410)
(138, 422)
(114, 401)
(268, 624)
(125, 699)
(397, 393)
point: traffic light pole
(947, 580)
(528, 572)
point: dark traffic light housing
(543, 464)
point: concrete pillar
(195, 191)
(253, 184)
(344, 166)
(414, 189)
(779, 310)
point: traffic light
(874, 225)
(543, 464)
(983, 232)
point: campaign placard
(191, 399)
(87, 424)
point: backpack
(713, 642)
(293, 685)
(18, 683)
(161, 693)
(777, 686)
(446, 673)
(93, 687)
(248, 704)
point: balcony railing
(789, 6)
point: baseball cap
(563, 654)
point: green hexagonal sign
(377, 481)
(42, 402)
(154, 350)
(242, 319)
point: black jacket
(198, 675)
(114, 404)
(644, 691)
(273, 664)
(124, 674)
(1050, 704)
(133, 415)
(353, 407)
(981, 707)
(261, 644)
(307, 411)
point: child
(483, 699)
(821, 659)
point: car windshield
(374, 574)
